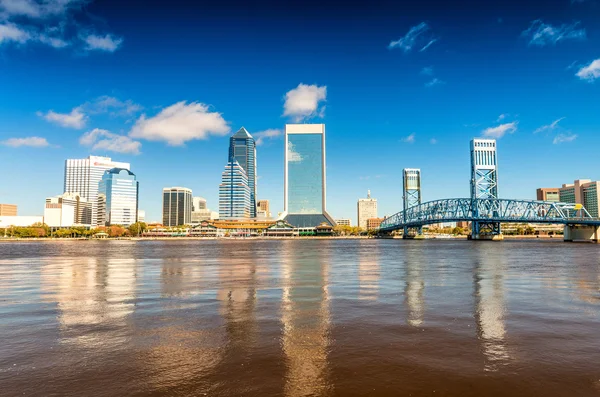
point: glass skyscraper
(305, 184)
(118, 198)
(234, 193)
(242, 148)
(177, 206)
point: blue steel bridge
(484, 210)
(488, 211)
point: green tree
(137, 228)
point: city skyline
(411, 87)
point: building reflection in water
(368, 270)
(415, 286)
(238, 299)
(305, 319)
(490, 306)
(94, 299)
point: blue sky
(398, 84)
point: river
(299, 318)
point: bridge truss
(489, 213)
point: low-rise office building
(374, 223)
(67, 210)
(8, 210)
(343, 222)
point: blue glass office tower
(234, 192)
(242, 148)
(118, 198)
(305, 182)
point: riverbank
(426, 237)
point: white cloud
(427, 71)
(433, 141)
(542, 34)
(590, 72)
(105, 140)
(53, 41)
(550, 127)
(292, 155)
(112, 105)
(435, 81)
(303, 101)
(410, 138)
(266, 134)
(37, 9)
(499, 131)
(501, 117)
(51, 22)
(414, 37)
(76, 119)
(33, 141)
(560, 138)
(180, 123)
(428, 45)
(11, 32)
(108, 43)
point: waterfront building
(367, 208)
(83, 176)
(177, 206)
(8, 210)
(582, 191)
(141, 216)
(343, 222)
(305, 187)
(234, 192)
(242, 148)
(262, 209)
(548, 194)
(67, 210)
(374, 223)
(118, 198)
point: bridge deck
(489, 211)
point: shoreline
(427, 237)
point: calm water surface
(300, 318)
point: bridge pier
(487, 237)
(487, 231)
(581, 233)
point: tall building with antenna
(367, 209)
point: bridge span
(579, 224)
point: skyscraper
(242, 148)
(83, 176)
(367, 209)
(118, 198)
(177, 206)
(234, 192)
(305, 182)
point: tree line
(41, 230)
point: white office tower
(83, 176)
(367, 209)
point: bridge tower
(484, 185)
(411, 196)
